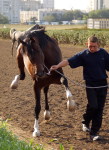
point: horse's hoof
(71, 105)
(35, 134)
(47, 115)
(14, 83)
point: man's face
(93, 47)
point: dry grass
(48, 27)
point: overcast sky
(71, 4)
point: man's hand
(60, 65)
(54, 67)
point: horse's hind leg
(37, 92)
(18, 43)
(47, 112)
(12, 47)
(70, 103)
(20, 62)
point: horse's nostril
(40, 74)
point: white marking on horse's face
(28, 65)
(36, 129)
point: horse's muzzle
(41, 74)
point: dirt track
(64, 126)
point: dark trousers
(96, 100)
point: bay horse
(38, 52)
(15, 35)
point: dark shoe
(85, 128)
(94, 137)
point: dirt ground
(64, 127)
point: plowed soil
(64, 127)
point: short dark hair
(93, 39)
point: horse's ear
(21, 41)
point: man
(95, 62)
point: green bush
(8, 141)
(71, 36)
(79, 36)
(4, 33)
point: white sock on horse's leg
(70, 103)
(36, 129)
(47, 114)
(14, 83)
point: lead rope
(96, 87)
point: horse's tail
(12, 30)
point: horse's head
(31, 48)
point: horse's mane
(41, 36)
(23, 34)
(36, 26)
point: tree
(33, 19)
(78, 15)
(74, 15)
(49, 18)
(103, 13)
(3, 19)
(68, 16)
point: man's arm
(60, 65)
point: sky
(71, 4)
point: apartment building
(48, 4)
(98, 4)
(26, 16)
(30, 5)
(29, 10)
(106, 4)
(98, 23)
(44, 12)
(10, 9)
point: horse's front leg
(20, 63)
(47, 112)
(37, 92)
(70, 103)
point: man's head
(93, 44)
